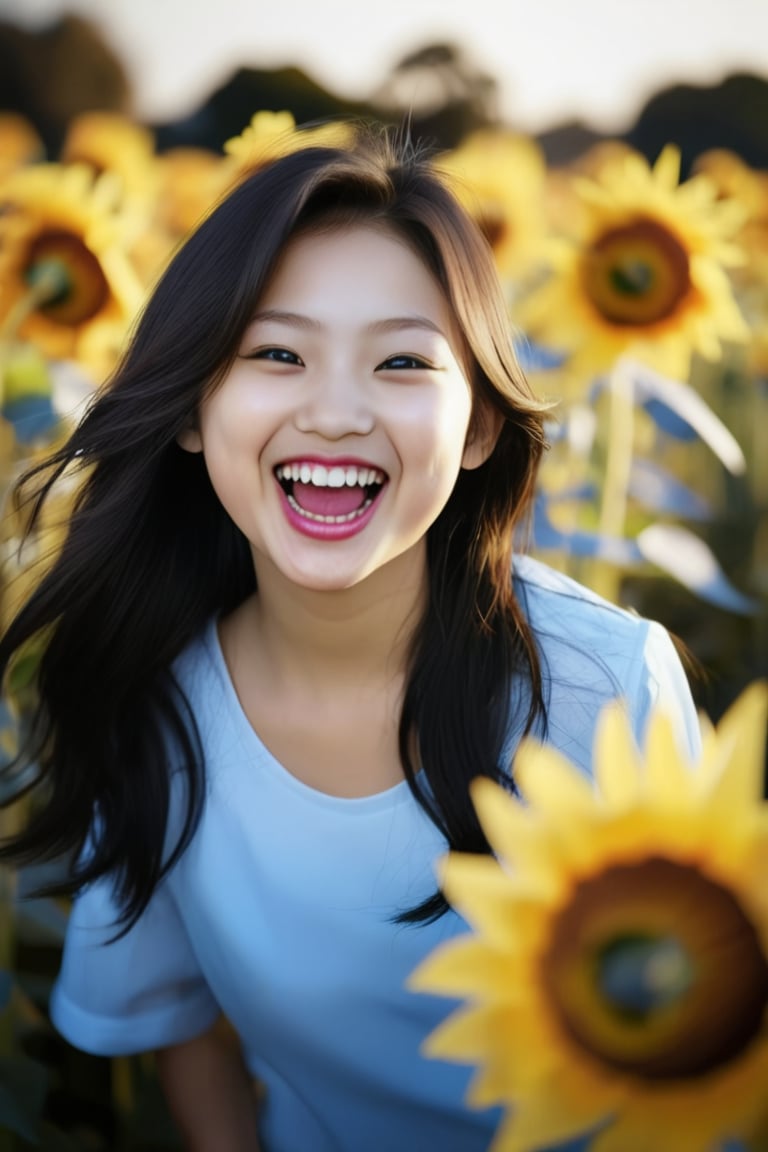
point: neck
(354, 635)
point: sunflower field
(639, 306)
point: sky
(594, 60)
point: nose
(334, 405)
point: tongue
(328, 501)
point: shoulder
(195, 664)
(206, 710)
(200, 673)
(558, 607)
(592, 652)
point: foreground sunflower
(617, 976)
(647, 274)
(66, 283)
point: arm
(210, 1093)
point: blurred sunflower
(647, 276)
(20, 143)
(66, 283)
(733, 177)
(191, 181)
(567, 215)
(112, 142)
(120, 152)
(500, 176)
(22, 568)
(270, 135)
(617, 976)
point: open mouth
(335, 494)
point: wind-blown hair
(151, 555)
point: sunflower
(114, 143)
(733, 177)
(120, 152)
(20, 143)
(191, 182)
(617, 975)
(65, 281)
(270, 135)
(566, 212)
(500, 177)
(647, 275)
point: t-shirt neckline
(389, 798)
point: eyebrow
(390, 324)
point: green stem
(46, 285)
(618, 466)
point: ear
(190, 439)
(484, 430)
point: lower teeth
(328, 519)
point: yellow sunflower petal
(502, 816)
(617, 761)
(271, 135)
(667, 167)
(669, 780)
(462, 1038)
(466, 967)
(550, 783)
(537, 1123)
(499, 176)
(513, 830)
(741, 749)
(489, 898)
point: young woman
(286, 630)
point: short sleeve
(593, 652)
(663, 685)
(140, 992)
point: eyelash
(414, 362)
(284, 356)
(279, 355)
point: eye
(402, 362)
(276, 355)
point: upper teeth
(334, 477)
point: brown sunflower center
(79, 289)
(637, 274)
(655, 969)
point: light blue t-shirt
(279, 913)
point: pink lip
(316, 530)
(331, 461)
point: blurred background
(564, 72)
(616, 157)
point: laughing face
(335, 439)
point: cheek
(441, 435)
(236, 417)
